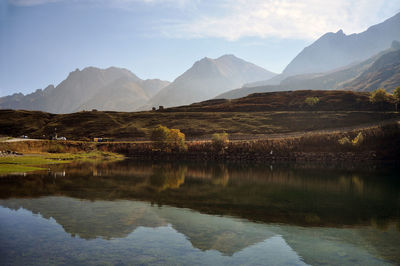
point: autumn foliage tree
(165, 138)
(379, 96)
(176, 139)
(396, 95)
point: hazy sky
(41, 41)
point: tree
(396, 95)
(176, 139)
(159, 136)
(220, 140)
(379, 96)
(311, 101)
(165, 138)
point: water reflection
(299, 195)
(129, 225)
(305, 214)
(167, 176)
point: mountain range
(113, 89)
(333, 51)
(117, 89)
(359, 62)
(379, 71)
(208, 78)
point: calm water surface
(126, 213)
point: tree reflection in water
(305, 195)
(167, 176)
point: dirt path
(17, 139)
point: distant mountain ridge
(117, 89)
(383, 73)
(335, 50)
(381, 70)
(208, 78)
(124, 94)
(91, 87)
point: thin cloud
(116, 3)
(301, 19)
(31, 2)
(236, 19)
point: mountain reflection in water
(203, 213)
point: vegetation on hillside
(396, 95)
(379, 96)
(258, 114)
(380, 142)
(165, 138)
(357, 141)
(311, 101)
(220, 141)
(328, 100)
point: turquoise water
(128, 213)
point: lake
(128, 212)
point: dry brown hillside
(267, 113)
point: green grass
(29, 163)
(16, 168)
(29, 160)
(23, 164)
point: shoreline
(377, 143)
(16, 163)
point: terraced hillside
(266, 113)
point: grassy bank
(23, 164)
(379, 142)
(36, 162)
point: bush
(176, 139)
(396, 96)
(378, 96)
(159, 137)
(220, 140)
(165, 138)
(56, 148)
(344, 141)
(357, 141)
(311, 101)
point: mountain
(124, 94)
(208, 78)
(381, 70)
(334, 50)
(383, 73)
(88, 88)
